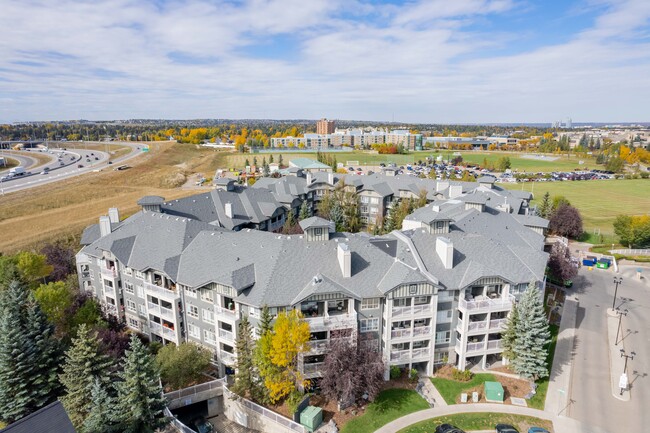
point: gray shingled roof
(151, 200)
(314, 222)
(50, 419)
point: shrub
(395, 372)
(461, 375)
(413, 375)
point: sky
(428, 61)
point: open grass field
(388, 406)
(60, 211)
(479, 421)
(451, 389)
(562, 163)
(599, 201)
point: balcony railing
(475, 347)
(109, 290)
(108, 273)
(169, 333)
(160, 292)
(111, 309)
(457, 346)
(401, 333)
(227, 358)
(494, 344)
(167, 313)
(225, 312)
(155, 327)
(497, 323)
(412, 310)
(85, 274)
(477, 326)
(225, 334)
(400, 355)
(486, 303)
(421, 330)
(421, 352)
(312, 368)
(153, 308)
(337, 321)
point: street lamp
(620, 315)
(617, 281)
(622, 384)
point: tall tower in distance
(325, 126)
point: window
(92, 274)
(140, 291)
(318, 231)
(209, 337)
(401, 302)
(207, 295)
(367, 325)
(142, 310)
(190, 292)
(443, 337)
(365, 199)
(444, 316)
(193, 311)
(413, 289)
(128, 271)
(193, 331)
(128, 288)
(130, 305)
(364, 209)
(374, 200)
(370, 304)
(139, 275)
(208, 316)
(440, 224)
(133, 323)
(420, 300)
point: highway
(64, 164)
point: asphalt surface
(591, 399)
(72, 158)
(23, 159)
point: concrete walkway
(616, 361)
(431, 392)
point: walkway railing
(176, 423)
(193, 390)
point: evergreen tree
(336, 215)
(266, 171)
(266, 320)
(271, 159)
(83, 366)
(509, 336)
(28, 355)
(280, 160)
(304, 211)
(533, 336)
(391, 218)
(545, 206)
(246, 383)
(246, 163)
(102, 417)
(255, 161)
(140, 402)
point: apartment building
(437, 291)
(325, 126)
(351, 138)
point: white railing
(176, 423)
(421, 330)
(318, 345)
(341, 320)
(167, 313)
(494, 344)
(632, 252)
(399, 355)
(227, 358)
(277, 418)
(474, 347)
(224, 312)
(153, 308)
(457, 346)
(312, 368)
(419, 353)
(156, 327)
(486, 304)
(497, 323)
(109, 290)
(109, 273)
(196, 389)
(477, 326)
(158, 291)
(400, 333)
(227, 335)
(169, 333)
(111, 309)
(411, 310)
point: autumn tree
(560, 265)
(61, 258)
(633, 231)
(182, 365)
(566, 221)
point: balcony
(111, 309)
(477, 326)
(108, 290)
(108, 273)
(225, 312)
(338, 321)
(486, 304)
(498, 323)
(419, 331)
(312, 368)
(495, 345)
(412, 310)
(421, 352)
(400, 355)
(228, 358)
(401, 333)
(169, 333)
(475, 347)
(155, 327)
(153, 308)
(85, 274)
(167, 313)
(226, 335)
(160, 292)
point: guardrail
(193, 390)
(632, 252)
(176, 423)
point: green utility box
(311, 417)
(493, 392)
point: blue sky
(415, 61)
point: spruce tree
(544, 209)
(266, 321)
(509, 336)
(140, 402)
(304, 211)
(271, 159)
(102, 417)
(83, 366)
(28, 355)
(533, 336)
(245, 377)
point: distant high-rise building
(568, 123)
(325, 126)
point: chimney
(308, 176)
(228, 207)
(441, 186)
(455, 191)
(345, 259)
(114, 215)
(445, 250)
(104, 225)
(435, 208)
(330, 178)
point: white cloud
(425, 61)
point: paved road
(591, 397)
(73, 157)
(23, 158)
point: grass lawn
(599, 201)
(451, 389)
(479, 421)
(9, 163)
(389, 405)
(539, 399)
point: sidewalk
(616, 361)
(431, 393)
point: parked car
(80, 166)
(203, 426)
(110, 162)
(505, 428)
(448, 428)
(537, 430)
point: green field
(388, 406)
(451, 389)
(563, 163)
(599, 201)
(9, 163)
(479, 421)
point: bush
(395, 372)
(462, 375)
(182, 365)
(413, 375)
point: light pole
(626, 356)
(617, 281)
(623, 383)
(620, 316)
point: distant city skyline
(435, 61)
